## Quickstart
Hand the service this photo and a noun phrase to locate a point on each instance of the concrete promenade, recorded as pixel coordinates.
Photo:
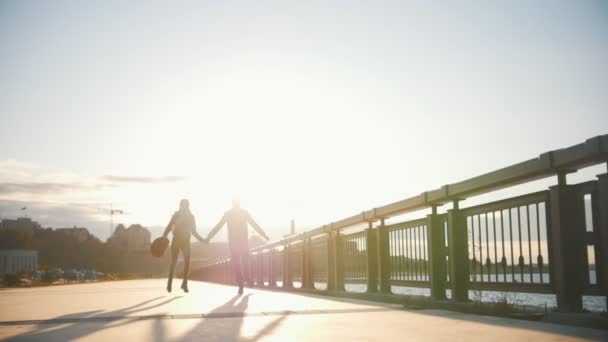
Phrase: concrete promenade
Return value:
(141, 310)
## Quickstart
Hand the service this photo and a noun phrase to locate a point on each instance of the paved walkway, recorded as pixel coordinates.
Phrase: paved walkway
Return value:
(141, 310)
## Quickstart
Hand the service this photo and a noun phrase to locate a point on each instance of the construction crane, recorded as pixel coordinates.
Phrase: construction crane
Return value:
(111, 211)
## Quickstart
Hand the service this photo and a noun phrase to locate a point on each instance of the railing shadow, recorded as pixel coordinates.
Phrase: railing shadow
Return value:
(545, 327)
(537, 326)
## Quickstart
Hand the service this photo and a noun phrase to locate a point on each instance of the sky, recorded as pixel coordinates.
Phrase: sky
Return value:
(310, 111)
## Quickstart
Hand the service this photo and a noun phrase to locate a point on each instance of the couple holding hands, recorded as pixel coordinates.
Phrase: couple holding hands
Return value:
(183, 225)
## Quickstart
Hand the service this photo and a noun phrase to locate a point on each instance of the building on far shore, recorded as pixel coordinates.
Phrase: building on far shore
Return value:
(18, 260)
(81, 234)
(136, 238)
(21, 224)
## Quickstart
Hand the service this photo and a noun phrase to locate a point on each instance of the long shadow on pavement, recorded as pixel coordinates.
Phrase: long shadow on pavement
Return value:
(103, 320)
(546, 327)
(228, 327)
(223, 323)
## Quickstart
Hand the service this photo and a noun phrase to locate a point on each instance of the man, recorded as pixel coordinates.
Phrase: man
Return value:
(238, 239)
(183, 226)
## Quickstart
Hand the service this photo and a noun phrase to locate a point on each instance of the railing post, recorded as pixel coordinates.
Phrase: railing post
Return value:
(262, 273)
(384, 259)
(436, 245)
(271, 281)
(567, 219)
(459, 254)
(335, 262)
(339, 261)
(304, 264)
(247, 269)
(256, 264)
(372, 258)
(261, 266)
(225, 278)
(307, 276)
(217, 275)
(252, 275)
(602, 204)
(331, 262)
(219, 272)
(287, 282)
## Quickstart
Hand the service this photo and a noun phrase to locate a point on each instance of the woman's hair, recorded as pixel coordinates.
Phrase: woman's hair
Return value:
(184, 205)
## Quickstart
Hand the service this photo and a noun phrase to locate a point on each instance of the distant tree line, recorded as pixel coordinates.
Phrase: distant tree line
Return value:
(65, 251)
(56, 249)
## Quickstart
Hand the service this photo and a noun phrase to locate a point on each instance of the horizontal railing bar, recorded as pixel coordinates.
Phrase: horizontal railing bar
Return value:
(586, 188)
(593, 290)
(533, 198)
(355, 281)
(406, 225)
(319, 244)
(354, 235)
(411, 283)
(511, 287)
(401, 207)
(319, 239)
(591, 152)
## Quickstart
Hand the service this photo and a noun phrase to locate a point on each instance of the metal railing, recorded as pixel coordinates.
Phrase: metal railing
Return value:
(354, 249)
(588, 196)
(540, 242)
(295, 258)
(508, 245)
(409, 253)
(319, 261)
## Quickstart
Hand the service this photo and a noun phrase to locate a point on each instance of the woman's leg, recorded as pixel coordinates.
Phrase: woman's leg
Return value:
(174, 254)
(186, 253)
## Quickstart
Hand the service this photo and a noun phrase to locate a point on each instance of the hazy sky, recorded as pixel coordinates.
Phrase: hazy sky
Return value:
(315, 111)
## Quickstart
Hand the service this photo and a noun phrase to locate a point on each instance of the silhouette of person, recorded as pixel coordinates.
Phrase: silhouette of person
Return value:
(183, 226)
(236, 219)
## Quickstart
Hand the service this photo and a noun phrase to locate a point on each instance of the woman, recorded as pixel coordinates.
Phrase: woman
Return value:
(183, 226)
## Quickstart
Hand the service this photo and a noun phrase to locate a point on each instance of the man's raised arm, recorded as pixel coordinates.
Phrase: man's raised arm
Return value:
(216, 228)
(256, 227)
